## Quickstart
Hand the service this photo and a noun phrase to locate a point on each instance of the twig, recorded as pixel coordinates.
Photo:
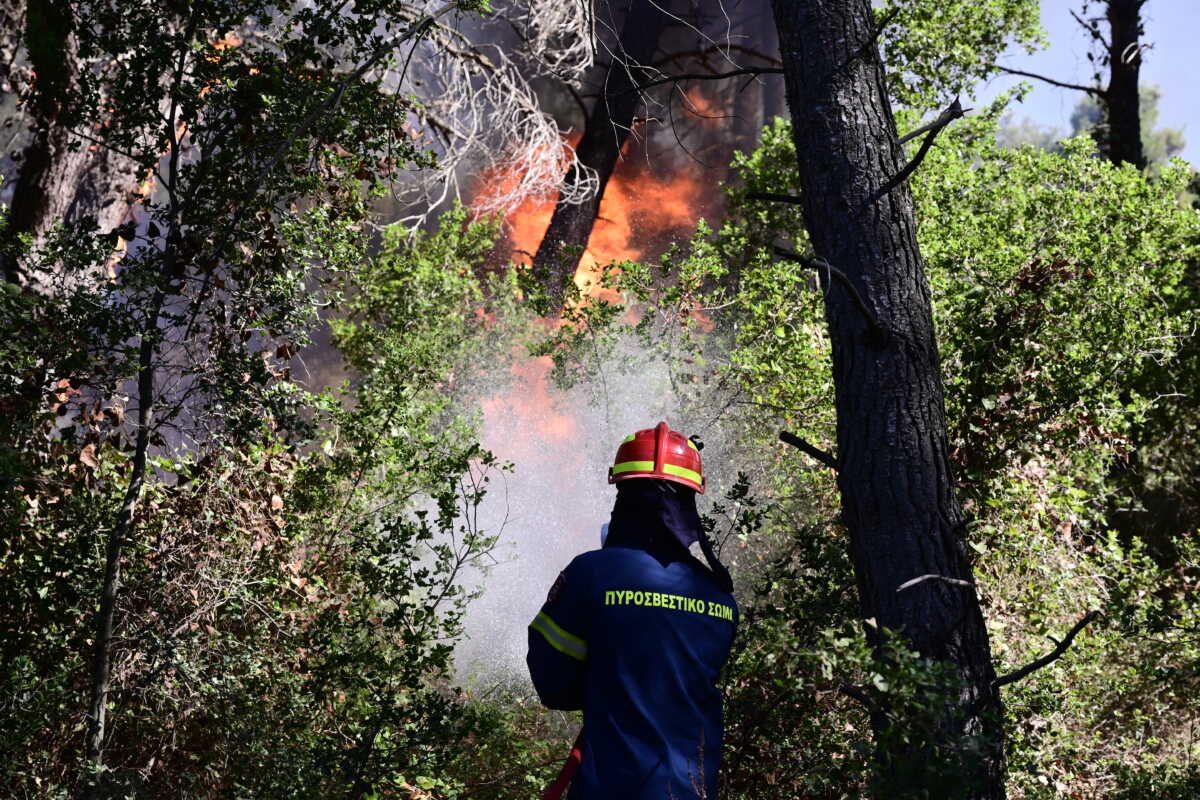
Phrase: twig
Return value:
(821, 264)
(828, 459)
(939, 123)
(1060, 648)
(952, 112)
(868, 45)
(1095, 90)
(702, 55)
(931, 576)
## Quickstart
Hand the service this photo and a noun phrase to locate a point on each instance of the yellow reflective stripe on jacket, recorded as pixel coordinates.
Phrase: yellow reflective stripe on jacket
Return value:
(559, 639)
(682, 472)
(633, 466)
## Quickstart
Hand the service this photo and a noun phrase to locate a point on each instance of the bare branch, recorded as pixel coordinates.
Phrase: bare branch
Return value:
(952, 112)
(477, 109)
(822, 264)
(1053, 655)
(1093, 31)
(706, 76)
(828, 459)
(1094, 90)
(931, 576)
(703, 55)
(557, 35)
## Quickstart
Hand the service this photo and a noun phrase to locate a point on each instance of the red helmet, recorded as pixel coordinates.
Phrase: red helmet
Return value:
(659, 452)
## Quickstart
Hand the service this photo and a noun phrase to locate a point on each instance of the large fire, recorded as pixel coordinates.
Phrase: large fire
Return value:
(644, 208)
(640, 211)
(559, 442)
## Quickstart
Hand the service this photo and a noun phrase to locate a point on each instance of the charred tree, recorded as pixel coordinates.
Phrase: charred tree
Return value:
(49, 163)
(62, 177)
(1119, 132)
(1122, 135)
(608, 125)
(898, 497)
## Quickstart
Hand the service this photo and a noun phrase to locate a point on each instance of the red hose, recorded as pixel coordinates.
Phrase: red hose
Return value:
(555, 790)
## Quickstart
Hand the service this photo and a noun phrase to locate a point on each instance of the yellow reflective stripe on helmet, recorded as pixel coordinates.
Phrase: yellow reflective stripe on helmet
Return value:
(692, 445)
(682, 472)
(629, 438)
(559, 639)
(633, 466)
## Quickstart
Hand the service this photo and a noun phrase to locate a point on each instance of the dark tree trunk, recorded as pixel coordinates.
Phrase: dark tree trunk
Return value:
(63, 177)
(605, 131)
(48, 165)
(106, 613)
(1122, 141)
(898, 499)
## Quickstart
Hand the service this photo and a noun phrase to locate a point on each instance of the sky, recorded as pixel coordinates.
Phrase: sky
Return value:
(1171, 27)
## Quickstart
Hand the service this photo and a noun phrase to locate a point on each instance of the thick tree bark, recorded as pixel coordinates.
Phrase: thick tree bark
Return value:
(608, 126)
(48, 165)
(12, 23)
(1122, 142)
(63, 177)
(898, 498)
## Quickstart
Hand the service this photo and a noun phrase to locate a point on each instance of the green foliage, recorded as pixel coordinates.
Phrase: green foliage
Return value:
(292, 587)
(291, 579)
(1050, 298)
(1160, 144)
(1062, 294)
(938, 50)
(289, 605)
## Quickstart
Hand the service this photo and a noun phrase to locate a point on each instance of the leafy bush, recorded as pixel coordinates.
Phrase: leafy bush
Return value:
(1059, 286)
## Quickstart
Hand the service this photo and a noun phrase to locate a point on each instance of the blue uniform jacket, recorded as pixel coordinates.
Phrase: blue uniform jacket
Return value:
(637, 644)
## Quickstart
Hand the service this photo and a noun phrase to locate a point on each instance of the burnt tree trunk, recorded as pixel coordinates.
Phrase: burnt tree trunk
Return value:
(898, 498)
(63, 177)
(607, 127)
(1122, 141)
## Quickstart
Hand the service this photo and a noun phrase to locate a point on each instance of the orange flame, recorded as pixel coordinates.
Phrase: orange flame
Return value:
(638, 210)
(529, 407)
(696, 104)
(641, 211)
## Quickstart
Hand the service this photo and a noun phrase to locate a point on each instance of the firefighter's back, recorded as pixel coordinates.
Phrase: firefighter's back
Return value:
(652, 714)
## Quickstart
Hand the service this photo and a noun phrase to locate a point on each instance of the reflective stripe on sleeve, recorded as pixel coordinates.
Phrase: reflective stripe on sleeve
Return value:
(559, 639)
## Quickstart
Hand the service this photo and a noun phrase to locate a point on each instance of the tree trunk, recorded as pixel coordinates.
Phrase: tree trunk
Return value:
(607, 127)
(106, 613)
(1123, 137)
(63, 177)
(898, 499)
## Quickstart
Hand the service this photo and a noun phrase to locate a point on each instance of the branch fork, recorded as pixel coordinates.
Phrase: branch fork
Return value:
(818, 263)
(931, 130)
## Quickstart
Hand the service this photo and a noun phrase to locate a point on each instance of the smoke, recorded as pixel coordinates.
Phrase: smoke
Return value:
(552, 504)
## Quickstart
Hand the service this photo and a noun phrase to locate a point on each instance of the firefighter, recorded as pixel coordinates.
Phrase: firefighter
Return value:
(636, 633)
